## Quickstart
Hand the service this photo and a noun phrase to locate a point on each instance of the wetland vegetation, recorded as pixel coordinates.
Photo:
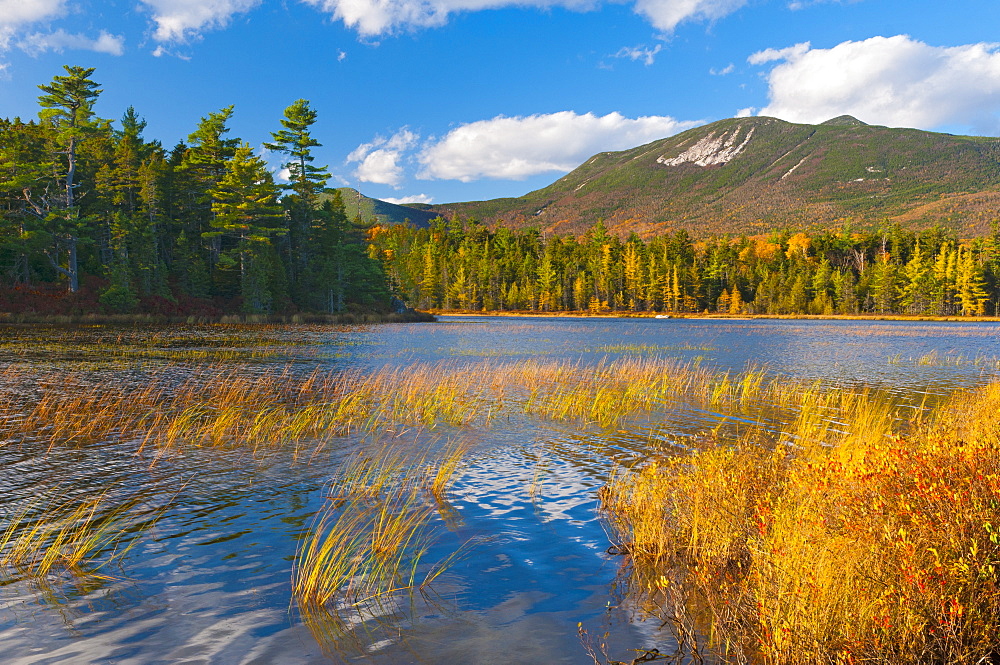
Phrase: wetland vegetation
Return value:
(410, 501)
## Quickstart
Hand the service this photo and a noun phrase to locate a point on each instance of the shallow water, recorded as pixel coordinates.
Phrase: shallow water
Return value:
(210, 582)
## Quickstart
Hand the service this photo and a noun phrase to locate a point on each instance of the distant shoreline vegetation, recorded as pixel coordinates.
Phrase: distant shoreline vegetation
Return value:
(714, 316)
(463, 266)
(100, 319)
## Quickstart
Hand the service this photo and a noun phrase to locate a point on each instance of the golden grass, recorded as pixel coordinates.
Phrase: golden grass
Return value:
(54, 533)
(232, 406)
(365, 551)
(844, 544)
(263, 409)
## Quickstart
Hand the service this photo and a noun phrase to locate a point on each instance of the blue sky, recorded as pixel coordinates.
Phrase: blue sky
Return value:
(453, 100)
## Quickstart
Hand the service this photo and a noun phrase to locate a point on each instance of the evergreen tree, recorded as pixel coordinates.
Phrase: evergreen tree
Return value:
(306, 183)
(67, 107)
(245, 204)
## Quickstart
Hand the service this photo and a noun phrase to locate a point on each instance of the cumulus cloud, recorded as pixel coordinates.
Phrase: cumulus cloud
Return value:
(376, 17)
(667, 14)
(514, 148)
(60, 40)
(725, 71)
(641, 52)
(896, 81)
(380, 161)
(179, 20)
(20, 12)
(15, 14)
(413, 198)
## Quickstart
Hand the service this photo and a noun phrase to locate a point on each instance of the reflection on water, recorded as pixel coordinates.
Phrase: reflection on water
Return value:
(210, 582)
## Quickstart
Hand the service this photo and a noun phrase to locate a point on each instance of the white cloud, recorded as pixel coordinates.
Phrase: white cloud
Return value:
(894, 81)
(376, 17)
(20, 12)
(341, 56)
(60, 40)
(772, 54)
(647, 55)
(413, 198)
(745, 113)
(15, 14)
(380, 160)
(179, 20)
(519, 147)
(667, 14)
(725, 71)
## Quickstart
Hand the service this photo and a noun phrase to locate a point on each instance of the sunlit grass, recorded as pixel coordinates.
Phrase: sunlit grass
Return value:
(54, 533)
(265, 409)
(364, 555)
(844, 544)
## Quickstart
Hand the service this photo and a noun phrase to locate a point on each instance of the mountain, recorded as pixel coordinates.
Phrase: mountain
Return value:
(386, 213)
(751, 175)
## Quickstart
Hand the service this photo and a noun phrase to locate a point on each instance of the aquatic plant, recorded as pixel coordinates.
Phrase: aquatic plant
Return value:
(56, 532)
(840, 544)
(364, 553)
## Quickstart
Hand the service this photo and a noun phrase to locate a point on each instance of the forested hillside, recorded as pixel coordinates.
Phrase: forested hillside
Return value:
(461, 265)
(91, 208)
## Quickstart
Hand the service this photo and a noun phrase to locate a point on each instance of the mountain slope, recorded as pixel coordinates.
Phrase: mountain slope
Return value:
(748, 175)
(386, 213)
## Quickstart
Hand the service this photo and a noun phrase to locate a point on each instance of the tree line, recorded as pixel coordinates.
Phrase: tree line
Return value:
(462, 265)
(91, 205)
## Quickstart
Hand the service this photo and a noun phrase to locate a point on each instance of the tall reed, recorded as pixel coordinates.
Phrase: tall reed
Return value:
(369, 540)
(841, 544)
(55, 532)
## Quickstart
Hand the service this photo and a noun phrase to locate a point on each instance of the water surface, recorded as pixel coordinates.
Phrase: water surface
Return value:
(210, 582)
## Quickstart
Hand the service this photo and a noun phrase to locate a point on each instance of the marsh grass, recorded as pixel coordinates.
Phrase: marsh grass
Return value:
(363, 558)
(839, 545)
(227, 406)
(55, 533)
(266, 409)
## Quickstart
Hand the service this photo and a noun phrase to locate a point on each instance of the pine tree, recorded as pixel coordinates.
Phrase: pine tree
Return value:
(736, 302)
(972, 294)
(306, 183)
(245, 204)
(68, 108)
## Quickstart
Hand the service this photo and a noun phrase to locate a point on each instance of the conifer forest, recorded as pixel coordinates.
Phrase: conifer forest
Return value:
(93, 208)
(96, 216)
(464, 266)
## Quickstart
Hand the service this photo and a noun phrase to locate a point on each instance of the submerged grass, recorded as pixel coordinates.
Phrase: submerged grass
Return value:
(844, 544)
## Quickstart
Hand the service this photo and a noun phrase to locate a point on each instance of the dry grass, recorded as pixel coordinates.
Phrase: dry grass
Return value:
(231, 406)
(365, 551)
(54, 533)
(847, 545)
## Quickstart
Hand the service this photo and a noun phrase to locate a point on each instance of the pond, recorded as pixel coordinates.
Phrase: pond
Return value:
(211, 580)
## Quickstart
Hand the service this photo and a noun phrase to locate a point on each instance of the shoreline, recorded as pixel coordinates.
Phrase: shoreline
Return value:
(95, 319)
(729, 317)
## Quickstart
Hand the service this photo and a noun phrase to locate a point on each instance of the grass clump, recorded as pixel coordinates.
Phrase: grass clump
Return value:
(368, 542)
(842, 545)
(51, 534)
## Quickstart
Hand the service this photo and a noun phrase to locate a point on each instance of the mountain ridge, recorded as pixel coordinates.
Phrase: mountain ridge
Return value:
(753, 175)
